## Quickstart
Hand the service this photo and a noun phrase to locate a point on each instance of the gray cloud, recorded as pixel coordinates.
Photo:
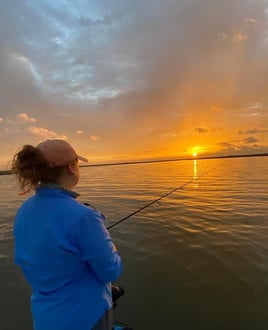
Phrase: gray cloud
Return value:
(226, 144)
(111, 69)
(250, 140)
(243, 147)
(140, 47)
(201, 130)
(253, 131)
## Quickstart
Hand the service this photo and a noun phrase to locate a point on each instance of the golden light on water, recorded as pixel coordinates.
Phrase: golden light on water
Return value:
(195, 169)
(195, 174)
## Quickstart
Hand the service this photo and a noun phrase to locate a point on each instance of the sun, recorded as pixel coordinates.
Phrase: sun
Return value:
(195, 150)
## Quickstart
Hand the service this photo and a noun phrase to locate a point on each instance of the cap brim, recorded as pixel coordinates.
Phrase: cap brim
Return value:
(83, 159)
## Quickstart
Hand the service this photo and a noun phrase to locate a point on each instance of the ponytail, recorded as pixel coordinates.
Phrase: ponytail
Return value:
(28, 165)
(31, 168)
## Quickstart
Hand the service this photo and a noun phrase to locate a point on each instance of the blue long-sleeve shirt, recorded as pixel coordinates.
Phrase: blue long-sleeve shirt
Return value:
(67, 256)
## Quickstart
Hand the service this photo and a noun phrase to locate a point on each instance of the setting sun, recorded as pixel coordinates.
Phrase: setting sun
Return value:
(195, 151)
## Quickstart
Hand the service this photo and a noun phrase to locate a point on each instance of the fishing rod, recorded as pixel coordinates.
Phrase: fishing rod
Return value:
(157, 200)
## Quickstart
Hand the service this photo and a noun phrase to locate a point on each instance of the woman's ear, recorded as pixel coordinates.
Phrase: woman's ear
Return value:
(72, 168)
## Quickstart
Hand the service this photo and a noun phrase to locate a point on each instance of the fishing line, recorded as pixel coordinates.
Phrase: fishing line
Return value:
(158, 199)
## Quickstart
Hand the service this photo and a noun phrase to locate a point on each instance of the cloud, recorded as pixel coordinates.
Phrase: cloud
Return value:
(94, 138)
(106, 20)
(168, 135)
(113, 67)
(255, 106)
(43, 133)
(27, 65)
(250, 140)
(253, 131)
(90, 50)
(251, 20)
(239, 37)
(1, 119)
(245, 146)
(24, 117)
(18, 86)
(201, 130)
(225, 144)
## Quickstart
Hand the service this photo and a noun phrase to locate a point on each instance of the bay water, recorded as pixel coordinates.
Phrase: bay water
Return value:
(195, 259)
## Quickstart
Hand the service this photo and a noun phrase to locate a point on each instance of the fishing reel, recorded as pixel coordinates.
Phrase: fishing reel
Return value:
(117, 292)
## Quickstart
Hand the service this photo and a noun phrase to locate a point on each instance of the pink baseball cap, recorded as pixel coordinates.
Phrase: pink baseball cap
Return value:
(58, 152)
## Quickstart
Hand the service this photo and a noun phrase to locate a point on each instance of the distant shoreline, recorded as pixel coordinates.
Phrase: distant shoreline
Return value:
(175, 160)
(7, 172)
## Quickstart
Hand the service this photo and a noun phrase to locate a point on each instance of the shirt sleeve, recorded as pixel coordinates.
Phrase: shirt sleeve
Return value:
(97, 249)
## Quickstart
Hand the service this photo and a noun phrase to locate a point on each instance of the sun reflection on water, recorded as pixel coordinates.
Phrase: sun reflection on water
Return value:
(195, 174)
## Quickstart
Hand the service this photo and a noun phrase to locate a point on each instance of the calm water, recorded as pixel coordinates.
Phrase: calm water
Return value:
(197, 259)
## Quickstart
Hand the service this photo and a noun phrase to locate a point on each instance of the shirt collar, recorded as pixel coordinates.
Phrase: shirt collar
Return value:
(72, 193)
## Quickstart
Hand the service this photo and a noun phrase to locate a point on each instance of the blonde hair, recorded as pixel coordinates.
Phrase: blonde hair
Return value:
(31, 168)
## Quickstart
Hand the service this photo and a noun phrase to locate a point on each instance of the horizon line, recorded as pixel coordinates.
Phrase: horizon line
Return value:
(175, 159)
(7, 172)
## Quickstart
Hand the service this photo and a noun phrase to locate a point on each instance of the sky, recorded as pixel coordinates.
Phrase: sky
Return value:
(125, 80)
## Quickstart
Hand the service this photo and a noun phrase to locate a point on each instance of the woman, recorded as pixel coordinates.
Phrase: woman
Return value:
(62, 246)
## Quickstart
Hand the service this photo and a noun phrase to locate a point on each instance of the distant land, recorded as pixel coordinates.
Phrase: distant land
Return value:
(6, 172)
(175, 159)
(3, 172)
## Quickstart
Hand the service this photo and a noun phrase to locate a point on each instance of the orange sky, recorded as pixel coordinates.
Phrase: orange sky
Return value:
(123, 80)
